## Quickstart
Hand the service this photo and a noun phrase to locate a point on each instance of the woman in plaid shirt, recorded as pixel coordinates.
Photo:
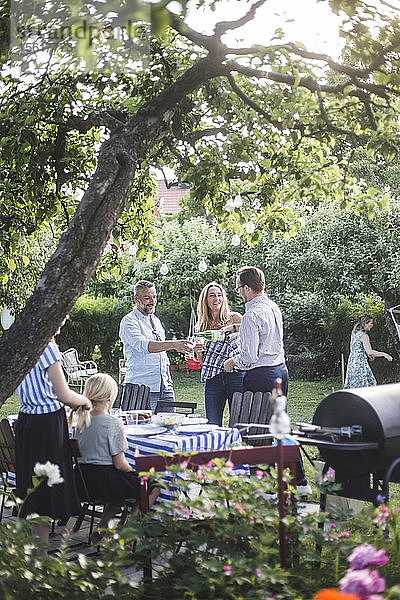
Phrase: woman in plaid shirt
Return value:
(213, 313)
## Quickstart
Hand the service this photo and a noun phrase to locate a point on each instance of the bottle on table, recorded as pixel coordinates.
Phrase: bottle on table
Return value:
(279, 425)
(213, 335)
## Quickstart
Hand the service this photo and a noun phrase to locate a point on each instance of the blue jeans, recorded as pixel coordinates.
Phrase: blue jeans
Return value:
(218, 390)
(166, 394)
(262, 379)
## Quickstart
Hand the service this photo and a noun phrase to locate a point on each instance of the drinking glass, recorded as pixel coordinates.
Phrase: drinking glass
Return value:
(132, 417)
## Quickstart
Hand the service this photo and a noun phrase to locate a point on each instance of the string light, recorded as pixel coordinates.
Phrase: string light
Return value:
(133, 249)
(250, 227)
(229, 206)
(164, 269)
(235, 241)
(238, 201)
(202, 266)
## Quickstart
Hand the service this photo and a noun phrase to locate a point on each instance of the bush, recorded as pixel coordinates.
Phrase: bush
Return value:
(220, 544)
(93, 329)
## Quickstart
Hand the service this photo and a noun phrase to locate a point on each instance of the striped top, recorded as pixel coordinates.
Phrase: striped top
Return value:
(36, 391)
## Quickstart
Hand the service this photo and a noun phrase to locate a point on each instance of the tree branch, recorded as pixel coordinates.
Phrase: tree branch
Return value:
(250, 102)
(224, 26)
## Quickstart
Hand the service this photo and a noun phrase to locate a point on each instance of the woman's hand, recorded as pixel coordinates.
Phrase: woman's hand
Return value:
(229, 365)
(388, 357)
(232, 328)
(86, 405)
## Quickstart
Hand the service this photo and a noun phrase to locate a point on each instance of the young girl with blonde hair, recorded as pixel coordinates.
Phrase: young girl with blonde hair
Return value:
(107, 473)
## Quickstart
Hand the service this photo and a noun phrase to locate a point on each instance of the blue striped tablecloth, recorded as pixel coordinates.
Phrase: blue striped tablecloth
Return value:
(221, 438)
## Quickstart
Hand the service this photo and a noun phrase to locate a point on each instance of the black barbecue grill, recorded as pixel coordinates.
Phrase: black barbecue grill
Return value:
(357, 432)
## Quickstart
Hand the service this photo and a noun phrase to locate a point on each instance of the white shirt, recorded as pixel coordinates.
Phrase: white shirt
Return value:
(142, 366)
(261, 335)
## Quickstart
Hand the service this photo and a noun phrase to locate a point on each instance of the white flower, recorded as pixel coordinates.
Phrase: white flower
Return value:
(52, 472)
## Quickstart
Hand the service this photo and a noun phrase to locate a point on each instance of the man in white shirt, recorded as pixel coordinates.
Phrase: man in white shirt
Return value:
(261, 344)
(261, 335)
(145, 346)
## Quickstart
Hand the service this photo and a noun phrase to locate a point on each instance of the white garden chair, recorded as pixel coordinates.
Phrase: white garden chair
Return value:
(77, 371)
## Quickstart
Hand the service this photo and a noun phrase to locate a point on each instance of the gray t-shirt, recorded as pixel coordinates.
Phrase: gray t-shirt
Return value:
(102, 440)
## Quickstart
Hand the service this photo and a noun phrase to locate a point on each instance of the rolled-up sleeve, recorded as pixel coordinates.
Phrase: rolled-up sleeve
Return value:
(131, 334)
(249, 343)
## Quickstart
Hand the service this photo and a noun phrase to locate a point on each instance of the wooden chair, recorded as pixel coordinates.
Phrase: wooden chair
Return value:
(132, 396)
(284, 456)
(251, 408)
(91, 507)
(185, 408)
(77, 371)
(7, 461)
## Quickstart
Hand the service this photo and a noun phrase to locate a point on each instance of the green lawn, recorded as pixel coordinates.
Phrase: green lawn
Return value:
(304, 396)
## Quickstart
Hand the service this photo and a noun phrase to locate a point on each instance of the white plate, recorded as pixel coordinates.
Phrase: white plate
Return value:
(144, 430)
(194, 420)
(197, 428)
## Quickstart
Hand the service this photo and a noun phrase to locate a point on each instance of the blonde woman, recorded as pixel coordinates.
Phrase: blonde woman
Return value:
(213, 313)
(359, 373)
(107, 473)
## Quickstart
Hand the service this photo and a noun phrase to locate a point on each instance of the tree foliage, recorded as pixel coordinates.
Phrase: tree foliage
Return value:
(99, 113)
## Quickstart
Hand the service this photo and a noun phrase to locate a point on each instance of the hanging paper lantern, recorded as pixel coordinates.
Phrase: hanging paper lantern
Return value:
(235, 241)
(202, 266)
(229, 206)
(250, 227)
(133, 249)
(238, 201)
(164, 269)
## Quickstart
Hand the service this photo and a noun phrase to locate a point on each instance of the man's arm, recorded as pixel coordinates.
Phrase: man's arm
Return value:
(249, 341)
(178, 345)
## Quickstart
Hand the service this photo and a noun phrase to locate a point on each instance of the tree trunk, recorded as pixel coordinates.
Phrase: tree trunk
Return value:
(71, 267)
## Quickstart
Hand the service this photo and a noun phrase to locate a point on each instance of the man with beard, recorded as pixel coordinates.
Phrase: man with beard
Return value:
(145, 346)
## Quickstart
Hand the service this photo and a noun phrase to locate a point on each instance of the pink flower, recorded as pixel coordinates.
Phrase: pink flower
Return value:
(144, 479)
(363, 582)
(229, 464)
(345, 534)
(366, 555)
(333, 526)
(382, 515)
(227, 570)
(210, 464)
(259, 474)
(184, 464)
(329, 475)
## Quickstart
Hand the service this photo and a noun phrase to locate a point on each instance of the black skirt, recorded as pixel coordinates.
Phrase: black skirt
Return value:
(108, 484)
(38, 439)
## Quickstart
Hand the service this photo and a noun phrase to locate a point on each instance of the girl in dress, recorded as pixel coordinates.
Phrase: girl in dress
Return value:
(359, 373)
(107, 473)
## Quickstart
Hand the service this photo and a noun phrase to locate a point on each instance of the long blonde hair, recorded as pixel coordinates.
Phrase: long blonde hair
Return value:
(204, 319)
(99, 389)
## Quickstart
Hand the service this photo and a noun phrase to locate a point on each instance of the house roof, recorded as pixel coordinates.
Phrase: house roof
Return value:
(167, 199)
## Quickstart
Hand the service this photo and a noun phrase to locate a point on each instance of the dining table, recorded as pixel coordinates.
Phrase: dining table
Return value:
(181, 440)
